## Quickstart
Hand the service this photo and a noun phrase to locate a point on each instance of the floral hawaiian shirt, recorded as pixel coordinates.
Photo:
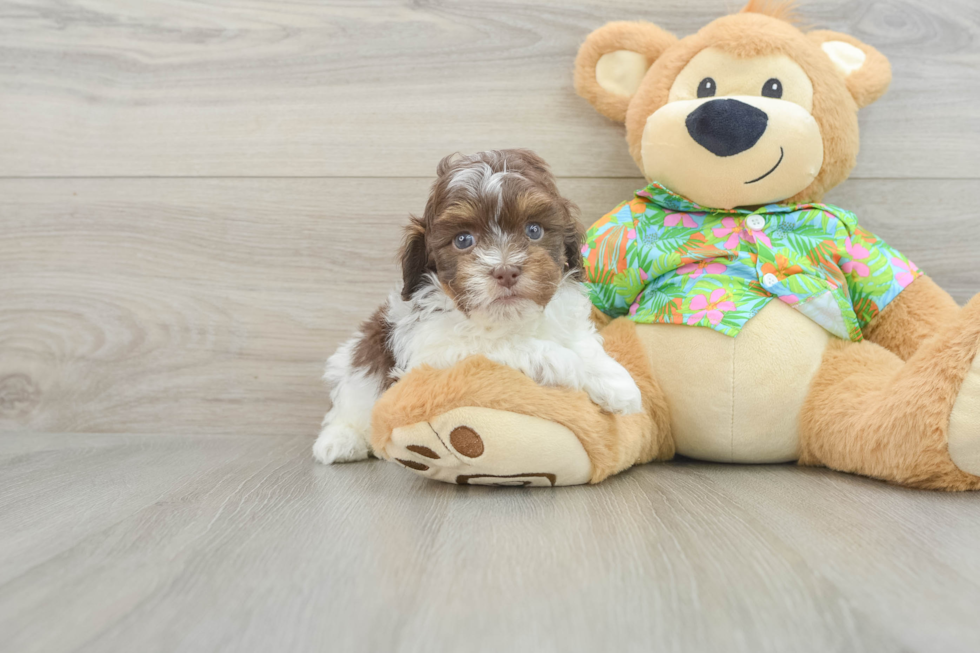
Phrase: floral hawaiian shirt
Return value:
(661, 258)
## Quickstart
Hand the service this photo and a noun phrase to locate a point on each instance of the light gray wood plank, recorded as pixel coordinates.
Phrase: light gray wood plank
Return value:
(385, 88)
(890, 530)
(209, 306)
(244, 544)
(58, 507)
(187, 304)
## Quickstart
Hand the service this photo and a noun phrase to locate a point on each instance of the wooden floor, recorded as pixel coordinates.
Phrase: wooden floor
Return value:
(239, 543)
(200, 199)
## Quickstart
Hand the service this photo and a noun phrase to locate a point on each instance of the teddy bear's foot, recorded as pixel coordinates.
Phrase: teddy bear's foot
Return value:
(964, 423)
(483, 446)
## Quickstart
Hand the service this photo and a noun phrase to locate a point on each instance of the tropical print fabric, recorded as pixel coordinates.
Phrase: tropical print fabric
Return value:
(660, 258)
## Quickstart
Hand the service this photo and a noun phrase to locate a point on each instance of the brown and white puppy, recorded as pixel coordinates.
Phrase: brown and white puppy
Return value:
(493, 268)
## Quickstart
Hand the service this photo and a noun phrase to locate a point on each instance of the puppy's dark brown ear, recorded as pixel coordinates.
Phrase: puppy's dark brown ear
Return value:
(415, 258)
(574, 236)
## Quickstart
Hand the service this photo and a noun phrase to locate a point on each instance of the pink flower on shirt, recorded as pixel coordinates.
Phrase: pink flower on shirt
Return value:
(907, 277)
(735, 232)
(698, 268)
(856, 252)
(728, 228)
(860, 269)
(759, 237)
(674, 219)
(714, 308)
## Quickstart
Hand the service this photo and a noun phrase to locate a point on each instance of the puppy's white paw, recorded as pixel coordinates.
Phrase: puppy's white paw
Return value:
(340, 443)
(614, 389)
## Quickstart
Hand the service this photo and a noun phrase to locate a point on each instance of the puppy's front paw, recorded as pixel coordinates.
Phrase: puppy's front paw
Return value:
(340, 443)
(615, 390)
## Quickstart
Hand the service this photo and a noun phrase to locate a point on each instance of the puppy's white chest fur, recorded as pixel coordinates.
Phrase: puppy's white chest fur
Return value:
(429, 330)
(556, 345)
(496, 231)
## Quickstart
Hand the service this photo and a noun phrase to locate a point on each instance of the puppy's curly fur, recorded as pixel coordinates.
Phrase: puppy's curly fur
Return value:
(492, 267)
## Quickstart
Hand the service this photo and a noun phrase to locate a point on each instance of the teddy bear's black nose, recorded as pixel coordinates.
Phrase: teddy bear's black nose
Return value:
(727, 127)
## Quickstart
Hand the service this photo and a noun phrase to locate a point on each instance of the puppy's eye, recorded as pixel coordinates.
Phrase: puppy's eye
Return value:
(534, 231)
(773, 88)
(707, 88)
(463, 241)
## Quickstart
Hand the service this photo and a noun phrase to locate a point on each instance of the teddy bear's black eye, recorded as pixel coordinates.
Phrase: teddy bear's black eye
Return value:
(773, 88)
(707, 87)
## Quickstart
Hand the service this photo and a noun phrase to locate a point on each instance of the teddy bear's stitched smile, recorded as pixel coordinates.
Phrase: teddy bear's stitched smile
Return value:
(782, 153)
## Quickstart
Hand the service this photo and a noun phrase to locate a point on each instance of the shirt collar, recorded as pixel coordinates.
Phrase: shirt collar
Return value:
(659, 195)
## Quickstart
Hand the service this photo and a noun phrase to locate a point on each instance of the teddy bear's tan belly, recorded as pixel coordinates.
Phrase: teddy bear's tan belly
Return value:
(737, 399)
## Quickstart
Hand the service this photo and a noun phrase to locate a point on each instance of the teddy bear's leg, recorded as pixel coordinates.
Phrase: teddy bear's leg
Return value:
(918, 313)
(915, 423)
(483, 423)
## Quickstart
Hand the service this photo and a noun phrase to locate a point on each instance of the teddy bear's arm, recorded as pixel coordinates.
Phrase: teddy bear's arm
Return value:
(512, 417)
(914, 317)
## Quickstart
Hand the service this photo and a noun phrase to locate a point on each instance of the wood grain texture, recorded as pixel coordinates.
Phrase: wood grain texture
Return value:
(191, 305)
(385, 88)
(207, 305)
(210, 305)
(149, 543)
(200, 200)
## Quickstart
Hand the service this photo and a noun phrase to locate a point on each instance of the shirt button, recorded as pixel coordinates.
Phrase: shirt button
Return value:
(756, 222)
(769, 280)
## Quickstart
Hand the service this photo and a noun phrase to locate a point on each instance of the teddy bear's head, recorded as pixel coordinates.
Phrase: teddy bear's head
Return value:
(748, 111)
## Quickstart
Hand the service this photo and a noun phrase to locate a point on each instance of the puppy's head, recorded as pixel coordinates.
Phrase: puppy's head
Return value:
(496, 235)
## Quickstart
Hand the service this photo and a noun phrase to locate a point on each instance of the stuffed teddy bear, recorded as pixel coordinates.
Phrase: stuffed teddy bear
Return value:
(760, 325)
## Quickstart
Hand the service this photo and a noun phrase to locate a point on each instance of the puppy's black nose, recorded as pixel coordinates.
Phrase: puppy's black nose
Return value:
(506, 275)
(727, 127)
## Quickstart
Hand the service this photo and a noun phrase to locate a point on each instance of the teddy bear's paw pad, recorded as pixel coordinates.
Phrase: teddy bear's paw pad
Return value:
(482, 446)
(964, 423)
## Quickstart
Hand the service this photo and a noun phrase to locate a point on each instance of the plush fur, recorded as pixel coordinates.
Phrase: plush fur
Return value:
(613, 442)
(478, 282)
(914, 317)
(888, 407)
(761, 29)
(870, 413)
(872, 80)
(751, 35)
(784, 11)
(645, 38)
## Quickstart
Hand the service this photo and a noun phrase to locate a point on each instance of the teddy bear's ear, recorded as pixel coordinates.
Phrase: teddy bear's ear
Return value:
(866, 71)
(612, 62)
